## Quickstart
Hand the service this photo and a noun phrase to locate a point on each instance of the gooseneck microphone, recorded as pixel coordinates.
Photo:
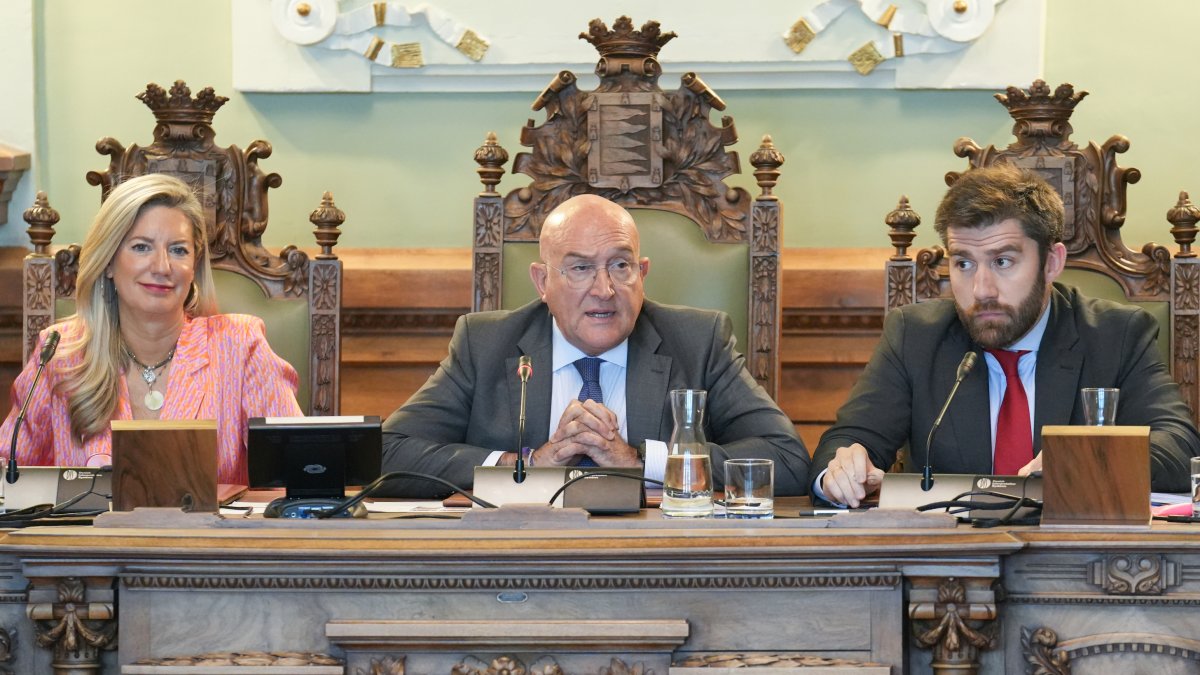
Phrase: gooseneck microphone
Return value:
(964, 367)
(48, 350)
(524, 370)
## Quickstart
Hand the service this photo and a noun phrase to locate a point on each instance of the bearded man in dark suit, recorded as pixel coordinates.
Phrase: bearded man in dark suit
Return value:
(1039, 342)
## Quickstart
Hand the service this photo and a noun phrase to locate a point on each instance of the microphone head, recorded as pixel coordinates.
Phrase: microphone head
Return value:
(967, 363)
(50, 347)
(525, 368)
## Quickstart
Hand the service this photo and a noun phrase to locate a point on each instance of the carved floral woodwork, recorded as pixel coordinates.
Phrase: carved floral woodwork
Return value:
(545, 665)
(955, 618)
(6, 650)
(773, 661)
(232, 189)
(75, 626)
(639, 146)
(1094, 191)
(1045, 654)
(1135, 574)
(385, 666)
(246, 660)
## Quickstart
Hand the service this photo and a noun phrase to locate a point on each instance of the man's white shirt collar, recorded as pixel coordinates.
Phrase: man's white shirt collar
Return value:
(565, 354)
(1032, 340)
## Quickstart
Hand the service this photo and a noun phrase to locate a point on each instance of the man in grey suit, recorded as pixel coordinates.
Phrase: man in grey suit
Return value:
(1038, 341)
(604, 360)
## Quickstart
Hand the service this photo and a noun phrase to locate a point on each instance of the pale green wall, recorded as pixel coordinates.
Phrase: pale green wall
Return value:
(400, 164)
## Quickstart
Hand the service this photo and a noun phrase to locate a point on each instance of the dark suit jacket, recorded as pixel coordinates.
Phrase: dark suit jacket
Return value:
(469, 407)
(1087, 343)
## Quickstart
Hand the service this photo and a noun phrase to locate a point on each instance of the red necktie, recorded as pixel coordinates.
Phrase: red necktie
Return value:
(1014, 439)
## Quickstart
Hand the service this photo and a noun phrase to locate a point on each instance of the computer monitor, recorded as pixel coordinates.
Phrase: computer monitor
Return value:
(314, 457)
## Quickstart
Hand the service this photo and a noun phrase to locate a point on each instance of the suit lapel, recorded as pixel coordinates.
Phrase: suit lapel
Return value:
(969, 415)
(1060, 363)
(646, 383)
(187, 390)
(537, 345)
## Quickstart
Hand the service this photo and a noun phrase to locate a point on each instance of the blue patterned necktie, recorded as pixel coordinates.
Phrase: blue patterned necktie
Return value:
(589, 370)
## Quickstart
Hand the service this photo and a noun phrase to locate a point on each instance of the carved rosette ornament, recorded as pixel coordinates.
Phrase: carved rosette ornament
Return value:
(73, 627)
(955, 618)
(636, 145)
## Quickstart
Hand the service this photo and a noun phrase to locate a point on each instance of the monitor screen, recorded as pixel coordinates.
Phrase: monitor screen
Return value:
(314, 456)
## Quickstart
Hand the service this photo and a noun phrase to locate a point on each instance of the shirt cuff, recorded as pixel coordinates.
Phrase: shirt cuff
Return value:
(493, 459)
(820, 494)
(655, 461)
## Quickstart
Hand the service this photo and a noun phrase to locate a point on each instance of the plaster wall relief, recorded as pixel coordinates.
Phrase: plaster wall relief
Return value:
(460, 45)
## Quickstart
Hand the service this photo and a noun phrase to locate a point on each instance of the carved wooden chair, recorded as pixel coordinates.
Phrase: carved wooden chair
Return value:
(657, 154)
(1093, 188)
(298, 297)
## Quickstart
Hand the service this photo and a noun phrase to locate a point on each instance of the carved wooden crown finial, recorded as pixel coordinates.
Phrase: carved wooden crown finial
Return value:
(767, 160)
(327, 217)
(180, 116)
(1040, 113)
(41, 218)
(902, 220)
(490, 157)
(1183, 217)
(623, 48)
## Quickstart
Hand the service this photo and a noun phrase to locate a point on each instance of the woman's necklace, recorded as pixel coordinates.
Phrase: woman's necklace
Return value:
(153, 399)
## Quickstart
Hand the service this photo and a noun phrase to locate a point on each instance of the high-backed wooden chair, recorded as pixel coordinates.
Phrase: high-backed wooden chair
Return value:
(298, 297)
(1093, 188)
(655, 153)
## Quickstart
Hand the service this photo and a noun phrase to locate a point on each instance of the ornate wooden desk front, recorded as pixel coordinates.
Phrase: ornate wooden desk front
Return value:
(606, 596)
(432, 596)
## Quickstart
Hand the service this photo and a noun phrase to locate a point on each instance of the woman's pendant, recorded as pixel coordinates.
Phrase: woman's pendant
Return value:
(153, 400)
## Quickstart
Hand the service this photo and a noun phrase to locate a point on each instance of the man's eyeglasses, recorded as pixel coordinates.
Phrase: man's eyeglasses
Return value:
(583, 275)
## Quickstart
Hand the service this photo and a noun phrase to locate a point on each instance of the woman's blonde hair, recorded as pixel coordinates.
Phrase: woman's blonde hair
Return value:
(92, 383)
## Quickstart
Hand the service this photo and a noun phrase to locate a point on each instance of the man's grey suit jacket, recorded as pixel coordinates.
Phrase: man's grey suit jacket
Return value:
(469, 407)
(1088, 343)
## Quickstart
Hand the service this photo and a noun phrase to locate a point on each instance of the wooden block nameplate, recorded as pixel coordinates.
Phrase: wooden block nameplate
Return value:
(170, 463)
(1096, 476)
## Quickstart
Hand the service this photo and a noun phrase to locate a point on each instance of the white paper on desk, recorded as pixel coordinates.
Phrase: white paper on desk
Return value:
(413, 507)
(1161, 498)
(243, 508)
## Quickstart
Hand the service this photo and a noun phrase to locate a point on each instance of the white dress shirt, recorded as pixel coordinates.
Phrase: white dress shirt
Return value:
(566, 383)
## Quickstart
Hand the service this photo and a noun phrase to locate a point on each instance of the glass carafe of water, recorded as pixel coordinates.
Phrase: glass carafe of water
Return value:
(687, 485)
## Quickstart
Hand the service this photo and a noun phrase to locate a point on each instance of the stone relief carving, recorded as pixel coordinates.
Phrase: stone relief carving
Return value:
(73, 627)
(1135, 574)
(385, 666)
(247, 660)
(882, 580)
